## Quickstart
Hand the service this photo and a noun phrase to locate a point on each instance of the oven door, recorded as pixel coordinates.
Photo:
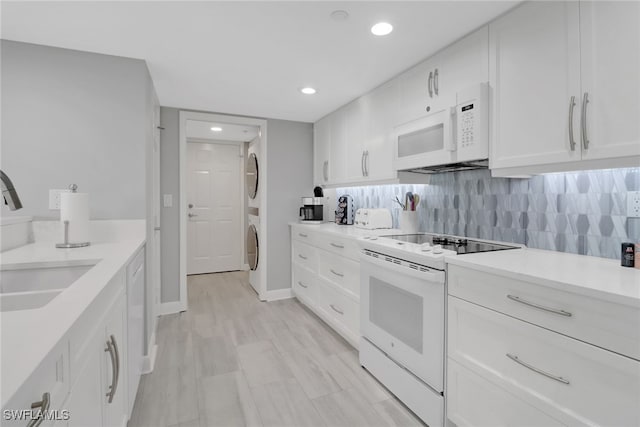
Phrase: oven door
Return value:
(427, 141)
(402, 313)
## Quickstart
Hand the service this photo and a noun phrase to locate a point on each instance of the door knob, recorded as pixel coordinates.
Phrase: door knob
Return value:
(190, 205)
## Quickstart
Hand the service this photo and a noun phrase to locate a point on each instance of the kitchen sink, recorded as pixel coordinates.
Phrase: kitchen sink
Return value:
(26, 300)
(31, 277)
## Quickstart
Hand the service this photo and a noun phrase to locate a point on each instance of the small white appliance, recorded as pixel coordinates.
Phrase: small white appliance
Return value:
(372, 219)
(452, 138)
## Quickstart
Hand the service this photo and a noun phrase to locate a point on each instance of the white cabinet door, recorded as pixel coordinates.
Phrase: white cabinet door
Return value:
(338, 147)
(610, 54)
(463, 64)
(417, 95)
(115, 367)
(354, 145)
(380, 110)
(85, 401)
(534, 68)
(321, 150)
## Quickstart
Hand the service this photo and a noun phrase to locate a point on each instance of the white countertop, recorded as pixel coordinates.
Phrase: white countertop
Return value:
(597, 277)
(27, 336)
(348, 231)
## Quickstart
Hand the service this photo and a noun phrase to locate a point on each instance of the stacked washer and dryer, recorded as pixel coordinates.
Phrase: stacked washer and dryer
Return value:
(253, 184)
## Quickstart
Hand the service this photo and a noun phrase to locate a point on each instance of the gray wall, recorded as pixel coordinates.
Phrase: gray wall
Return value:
(74, 117)
(170, 217)
(578, 212)
(289, 158)
(289, 177)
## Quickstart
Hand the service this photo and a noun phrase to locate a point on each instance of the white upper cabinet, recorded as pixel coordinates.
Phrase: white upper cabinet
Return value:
(565, 87)
(353, 148)
(338, 146)
(417, 92)
(321, 150)
(610, 49)
(380, 111)
(535, 76)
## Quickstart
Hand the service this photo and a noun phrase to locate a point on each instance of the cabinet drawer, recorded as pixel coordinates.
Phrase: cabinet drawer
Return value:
(304, 255)
(52, 377)
(304, 284)
(572, 381)
(605, 324)
(340, 271)
(344, 247)
(343, 310)
(304, 235)
(475, 401)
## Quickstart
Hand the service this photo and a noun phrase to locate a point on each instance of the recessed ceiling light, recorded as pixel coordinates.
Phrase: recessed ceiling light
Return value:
(382, 29)
(308, 90)
(339, 15)
(216, 129)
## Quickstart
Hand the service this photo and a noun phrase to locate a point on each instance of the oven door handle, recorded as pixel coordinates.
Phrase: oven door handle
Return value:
(431, 275)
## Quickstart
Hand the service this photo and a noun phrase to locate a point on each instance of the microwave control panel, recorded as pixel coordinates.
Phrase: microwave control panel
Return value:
(472, 123)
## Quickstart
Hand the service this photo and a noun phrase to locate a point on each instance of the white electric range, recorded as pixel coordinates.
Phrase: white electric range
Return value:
(402, 314)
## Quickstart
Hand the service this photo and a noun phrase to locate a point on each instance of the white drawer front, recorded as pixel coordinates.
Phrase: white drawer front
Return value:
(344, 311)
(304, 255)
(340, 271)
(304, 284)
(304, 235)
(574, 382)
(474, 401)
(605, 324)
(344, 247)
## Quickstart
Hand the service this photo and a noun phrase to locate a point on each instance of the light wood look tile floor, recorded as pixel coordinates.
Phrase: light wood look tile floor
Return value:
(232, 360)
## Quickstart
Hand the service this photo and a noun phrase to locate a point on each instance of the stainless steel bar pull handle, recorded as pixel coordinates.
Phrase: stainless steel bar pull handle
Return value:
(336, 273)
(112, 349)
(539, 307)
(585, 137)
(435, 81)
(302, 235)
(335, 245)
(362, 164)
(337, 310)
(430, 84)
(572, 141)
(44, 407)
(537, 370)
(302, 256)
(366, 163)
(302, 284)
(325, 170)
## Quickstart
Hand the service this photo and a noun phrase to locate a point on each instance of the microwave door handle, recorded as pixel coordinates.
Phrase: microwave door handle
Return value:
(453, 122)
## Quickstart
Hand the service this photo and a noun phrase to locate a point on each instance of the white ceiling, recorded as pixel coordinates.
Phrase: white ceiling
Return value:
(252, 58)
(230, 132)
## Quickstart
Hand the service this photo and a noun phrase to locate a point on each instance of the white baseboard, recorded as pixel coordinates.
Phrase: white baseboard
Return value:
(170, 308)
(245, 267)
(149, 361)
(278, 294)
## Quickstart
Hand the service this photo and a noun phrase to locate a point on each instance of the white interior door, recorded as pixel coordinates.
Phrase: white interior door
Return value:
(214, 196)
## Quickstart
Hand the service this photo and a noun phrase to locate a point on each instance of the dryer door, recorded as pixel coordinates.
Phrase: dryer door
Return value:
(253, 248)
(252, 175)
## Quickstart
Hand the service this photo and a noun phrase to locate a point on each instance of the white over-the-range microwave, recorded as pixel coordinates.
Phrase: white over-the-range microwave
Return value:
(450, 138)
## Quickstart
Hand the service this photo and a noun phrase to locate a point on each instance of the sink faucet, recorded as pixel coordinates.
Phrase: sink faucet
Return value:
(9, 193)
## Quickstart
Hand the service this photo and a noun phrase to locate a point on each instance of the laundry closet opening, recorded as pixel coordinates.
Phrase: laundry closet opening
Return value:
(217, 196)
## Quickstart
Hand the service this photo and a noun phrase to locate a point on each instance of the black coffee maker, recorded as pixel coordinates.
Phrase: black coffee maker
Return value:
(312, 208)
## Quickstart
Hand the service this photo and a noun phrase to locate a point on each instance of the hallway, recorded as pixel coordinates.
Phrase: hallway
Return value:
(232, 361)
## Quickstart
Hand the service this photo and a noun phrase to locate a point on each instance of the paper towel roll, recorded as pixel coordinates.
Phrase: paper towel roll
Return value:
(74, 207)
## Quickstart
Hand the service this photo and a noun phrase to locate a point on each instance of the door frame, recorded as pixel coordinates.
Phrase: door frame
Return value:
(184, 116)
(242, 160)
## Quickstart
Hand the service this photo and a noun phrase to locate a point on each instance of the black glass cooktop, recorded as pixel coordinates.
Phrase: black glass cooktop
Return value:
(461, 245)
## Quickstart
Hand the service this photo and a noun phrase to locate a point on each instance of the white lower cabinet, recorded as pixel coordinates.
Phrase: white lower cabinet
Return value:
(506, 371)
(85, 401)
(114, 362)
(326, 278)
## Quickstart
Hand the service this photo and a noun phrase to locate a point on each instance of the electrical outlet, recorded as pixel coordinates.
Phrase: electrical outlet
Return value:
(54, 199)
(633, 204)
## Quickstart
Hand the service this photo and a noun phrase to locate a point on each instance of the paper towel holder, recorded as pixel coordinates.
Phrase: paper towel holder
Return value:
(66, 245)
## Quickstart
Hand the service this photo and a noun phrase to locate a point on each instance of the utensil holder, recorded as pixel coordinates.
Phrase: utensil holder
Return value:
(409, 221)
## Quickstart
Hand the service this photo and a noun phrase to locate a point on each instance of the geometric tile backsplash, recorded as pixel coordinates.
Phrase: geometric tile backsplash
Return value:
(580, 212)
